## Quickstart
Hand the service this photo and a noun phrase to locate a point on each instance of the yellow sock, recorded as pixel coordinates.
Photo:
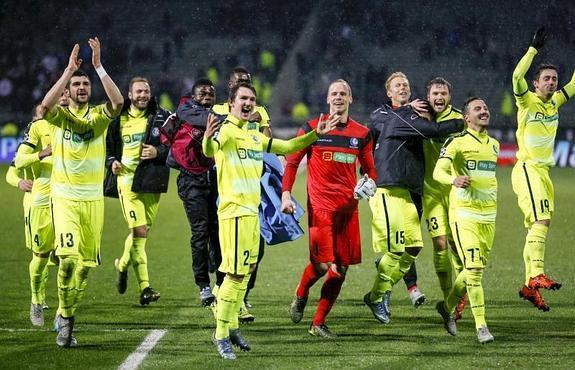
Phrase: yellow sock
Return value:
(66, 287)
(81, 282)
(535, 247)
(443, 270)
(387, 265)
(404, 264)
(459, 289)
(125, 259)
(36, 270)
(234, 324)
(475, 294)
(227, 299)
(140, 262)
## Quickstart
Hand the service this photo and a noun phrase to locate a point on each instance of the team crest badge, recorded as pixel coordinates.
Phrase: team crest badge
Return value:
(155, 132)
(255, 139)
(354, 142)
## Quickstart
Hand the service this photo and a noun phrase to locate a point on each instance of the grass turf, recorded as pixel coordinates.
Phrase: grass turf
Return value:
(109, 326)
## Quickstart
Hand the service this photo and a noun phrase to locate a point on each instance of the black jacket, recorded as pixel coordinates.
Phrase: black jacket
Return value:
(398, 145)
(151, 175)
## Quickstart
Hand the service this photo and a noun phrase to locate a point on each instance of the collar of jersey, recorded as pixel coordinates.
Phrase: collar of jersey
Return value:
(476, 134)
(79, 112)
(235, 120)
(135, 112)
(446, 112)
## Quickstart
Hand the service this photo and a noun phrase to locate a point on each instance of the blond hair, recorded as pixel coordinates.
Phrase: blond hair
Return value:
(392, 76)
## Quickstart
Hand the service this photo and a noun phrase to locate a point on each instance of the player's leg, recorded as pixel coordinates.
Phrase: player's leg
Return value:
(388, 237)
(42, 238)
(149, 204)
(320, 255)
(534, 192)
(194, 192)
(249, 237)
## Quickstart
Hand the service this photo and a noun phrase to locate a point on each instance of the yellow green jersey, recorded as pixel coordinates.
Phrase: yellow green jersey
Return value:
(224, 109)
(537, 120)
(431, 150)
(36, 138)
(239, 162)
(133, 125)
(472, 154)
(78, 152)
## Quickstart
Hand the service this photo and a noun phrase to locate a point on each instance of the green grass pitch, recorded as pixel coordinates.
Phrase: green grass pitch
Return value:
(110, 327)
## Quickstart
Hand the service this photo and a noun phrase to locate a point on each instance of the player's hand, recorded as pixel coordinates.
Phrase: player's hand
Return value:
(25, 185)
(325, 126)
(47, 151)
(255, 117)
(421, 107)
(462, 181)
(95, 46)
(116, 167)
(213, 125)
(74, 62)
(149, 152)
(365, 188)
(539, 38)
(288, 205)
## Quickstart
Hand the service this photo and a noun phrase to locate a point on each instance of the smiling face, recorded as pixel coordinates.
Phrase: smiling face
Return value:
(80, 89)
(140, 94)
(339, 98)
(546, 84)
(477, 115)
(439, 97)
(204, 95)
(243, 103)
(399, 91)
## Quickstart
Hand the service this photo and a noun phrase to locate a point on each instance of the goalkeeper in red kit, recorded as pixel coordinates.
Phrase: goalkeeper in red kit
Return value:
(333, 193)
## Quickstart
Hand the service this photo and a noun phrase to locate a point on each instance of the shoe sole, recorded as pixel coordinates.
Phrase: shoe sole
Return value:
(246, 320)
(419, 301)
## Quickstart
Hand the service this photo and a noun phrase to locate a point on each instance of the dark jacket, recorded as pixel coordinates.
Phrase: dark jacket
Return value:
(398, 149)
(151, 175)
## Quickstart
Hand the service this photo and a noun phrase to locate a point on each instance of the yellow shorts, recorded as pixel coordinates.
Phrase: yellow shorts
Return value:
(239, 242)
(473, 241)
(436, 213)
(41, 229)
(534, 191)
(395, 223)
(78, 229)
(26, 202)
(139, 208)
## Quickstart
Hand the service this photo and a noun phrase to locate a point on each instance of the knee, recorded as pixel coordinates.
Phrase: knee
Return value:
(440, 243)
(342, 270)
(253, 267)
(321, 268)
(544, 222)
(140, 231)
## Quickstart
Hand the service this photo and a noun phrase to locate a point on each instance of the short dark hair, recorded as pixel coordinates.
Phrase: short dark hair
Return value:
(137, 79)
(77, 73)
(541, 67)
(234, 90)
(239, 69)
(468, 101)
(201, 82)
(438, 81)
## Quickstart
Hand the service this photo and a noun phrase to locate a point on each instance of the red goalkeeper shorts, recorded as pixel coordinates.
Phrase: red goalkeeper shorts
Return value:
(334, 237)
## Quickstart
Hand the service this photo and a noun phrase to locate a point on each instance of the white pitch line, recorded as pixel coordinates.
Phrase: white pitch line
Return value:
(137, 357)
(81, 329)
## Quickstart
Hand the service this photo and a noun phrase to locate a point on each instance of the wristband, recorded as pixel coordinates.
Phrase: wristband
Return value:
(101, 72)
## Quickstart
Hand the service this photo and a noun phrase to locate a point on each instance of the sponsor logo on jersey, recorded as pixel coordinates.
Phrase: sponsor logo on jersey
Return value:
(77, 137)
(339, 157)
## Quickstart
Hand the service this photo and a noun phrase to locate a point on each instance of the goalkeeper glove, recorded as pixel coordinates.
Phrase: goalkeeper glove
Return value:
(365, 188)
(539, 38)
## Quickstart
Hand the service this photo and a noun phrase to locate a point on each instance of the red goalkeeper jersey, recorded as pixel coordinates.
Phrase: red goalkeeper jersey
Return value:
(332, 166)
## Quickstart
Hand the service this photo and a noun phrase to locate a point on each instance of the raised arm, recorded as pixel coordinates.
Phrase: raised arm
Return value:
(212, 141)
(115, 99)
(53, 95)
(520, 86)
